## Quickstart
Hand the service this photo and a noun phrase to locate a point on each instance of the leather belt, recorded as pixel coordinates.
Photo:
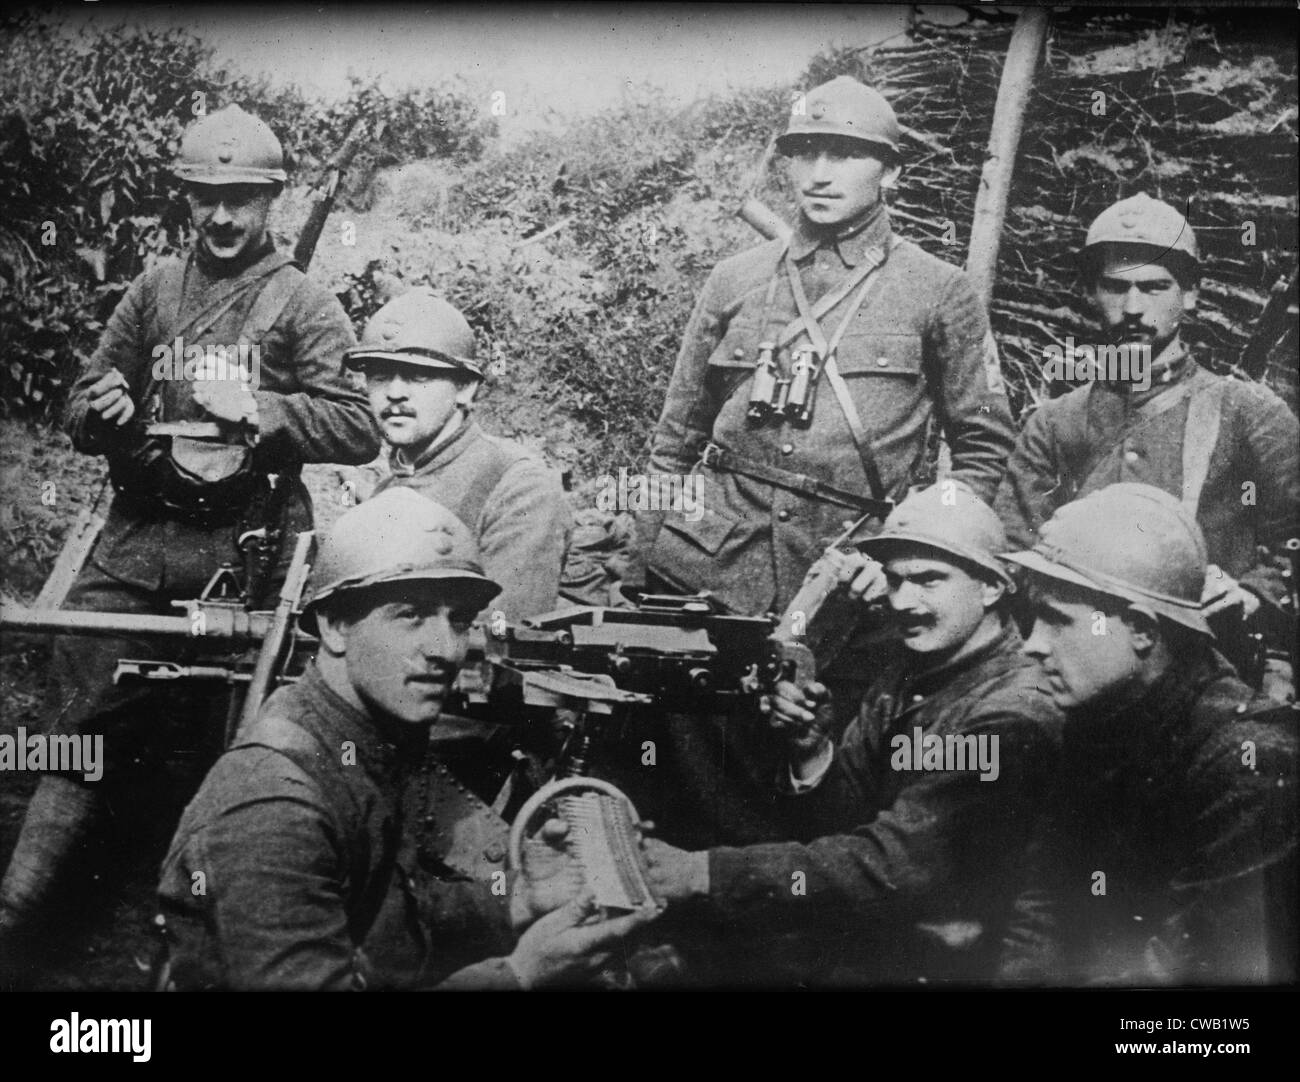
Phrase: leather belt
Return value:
(716, 457)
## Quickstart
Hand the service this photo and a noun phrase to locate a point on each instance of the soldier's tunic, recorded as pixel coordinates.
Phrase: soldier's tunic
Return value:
(310, 876)
(919, 348)
(1091, 437)
(148, 556)
(1186, 801)
(513, 503)
(901, 873)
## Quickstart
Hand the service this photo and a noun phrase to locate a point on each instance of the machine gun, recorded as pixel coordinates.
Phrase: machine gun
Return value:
(251, 652)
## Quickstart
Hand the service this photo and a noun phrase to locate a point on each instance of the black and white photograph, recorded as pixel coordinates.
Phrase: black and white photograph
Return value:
(635, 497)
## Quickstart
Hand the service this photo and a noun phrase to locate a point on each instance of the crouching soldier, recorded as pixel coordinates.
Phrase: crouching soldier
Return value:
(418, 356)
(293, 867)
(1169, 853)
(912, 829)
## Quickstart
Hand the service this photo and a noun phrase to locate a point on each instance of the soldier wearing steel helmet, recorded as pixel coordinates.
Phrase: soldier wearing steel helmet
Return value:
(1168, 855)
(908, 866)
(1228, 448)
(812, 370)
(311, 876)
(422, 374)
(182, 503)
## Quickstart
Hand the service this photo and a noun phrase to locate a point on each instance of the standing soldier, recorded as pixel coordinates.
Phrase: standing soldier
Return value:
(417, 353)
(1229, 449)
(1169, 853)
(236, 337)
(805, 394)
(811, 371)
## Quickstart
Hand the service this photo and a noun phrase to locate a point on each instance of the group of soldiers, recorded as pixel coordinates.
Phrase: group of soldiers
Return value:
(1049, 607)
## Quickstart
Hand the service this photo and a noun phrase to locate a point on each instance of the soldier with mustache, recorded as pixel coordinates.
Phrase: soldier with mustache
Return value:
(812, 375)
(297, 866)
(184, 505)
(1228, 448)
(422, 375)
(813, 371)
(895, 869)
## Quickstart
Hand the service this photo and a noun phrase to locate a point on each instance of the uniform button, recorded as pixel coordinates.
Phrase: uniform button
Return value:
(883, 362)
(1131, 456)
(783, 516)
(917, 698)
(787, 448)
(739, 353)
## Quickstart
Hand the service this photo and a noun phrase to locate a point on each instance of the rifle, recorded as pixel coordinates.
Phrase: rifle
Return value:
(325, 193)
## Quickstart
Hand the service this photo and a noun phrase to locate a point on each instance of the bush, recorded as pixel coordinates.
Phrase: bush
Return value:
(87, 199)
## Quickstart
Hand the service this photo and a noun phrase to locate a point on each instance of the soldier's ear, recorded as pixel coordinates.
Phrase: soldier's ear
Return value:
(330, 631)
(889, 179)
(1189, 299)
(1143, 627)
(467, 392)
(992, 592)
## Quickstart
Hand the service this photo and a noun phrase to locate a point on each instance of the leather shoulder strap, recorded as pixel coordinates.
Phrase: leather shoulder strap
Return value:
(281, 286)
(1204, 415)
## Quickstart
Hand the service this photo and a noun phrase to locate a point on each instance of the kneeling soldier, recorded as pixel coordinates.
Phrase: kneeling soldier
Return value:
(913, 827)
(1169, 855)
(293, 868)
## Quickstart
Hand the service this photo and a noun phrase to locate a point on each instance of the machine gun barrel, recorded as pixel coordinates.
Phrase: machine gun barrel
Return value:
(206, 621)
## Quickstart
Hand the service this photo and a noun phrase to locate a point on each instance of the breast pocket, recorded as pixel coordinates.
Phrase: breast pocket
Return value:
(884, 375)
(738, 348)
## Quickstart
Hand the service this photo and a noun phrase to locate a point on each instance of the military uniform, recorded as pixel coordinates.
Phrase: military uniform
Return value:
(309, 872)
(149, 555)
(1186, 803)
(902, 874)
(512, 502)
(918, 349)
(183, 501)
(1094, 436)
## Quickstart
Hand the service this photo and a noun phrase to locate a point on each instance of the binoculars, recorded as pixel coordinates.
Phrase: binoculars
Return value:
(773, 395)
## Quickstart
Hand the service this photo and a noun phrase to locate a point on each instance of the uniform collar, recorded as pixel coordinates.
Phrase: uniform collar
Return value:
(441, 451)
(1153, 719)
(1173, 367)
(850, 242)
(383, 751)
(927, 681)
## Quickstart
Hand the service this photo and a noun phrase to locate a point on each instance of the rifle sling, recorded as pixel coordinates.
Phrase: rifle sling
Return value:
(717, 457)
